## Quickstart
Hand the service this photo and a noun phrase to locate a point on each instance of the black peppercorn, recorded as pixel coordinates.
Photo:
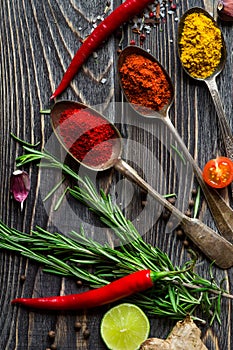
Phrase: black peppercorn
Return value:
(191, 203)
(51, 334)
(79, 283)
(194, 192)
(86, 333)
(22, 278)
(172, 200)
(179, 233)
(77, 326)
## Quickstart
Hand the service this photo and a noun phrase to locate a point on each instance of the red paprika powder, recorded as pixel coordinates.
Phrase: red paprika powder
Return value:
(87, 136)
(144, 82)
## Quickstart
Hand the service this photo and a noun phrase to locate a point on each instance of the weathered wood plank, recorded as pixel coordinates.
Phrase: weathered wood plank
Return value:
(37, 41)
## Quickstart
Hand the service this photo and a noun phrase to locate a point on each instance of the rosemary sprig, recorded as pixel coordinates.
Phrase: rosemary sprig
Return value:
(62, 255)
(173, 296)
(22, 142)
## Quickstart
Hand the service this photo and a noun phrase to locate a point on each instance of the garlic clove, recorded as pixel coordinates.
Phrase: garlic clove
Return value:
(20, 185)
(225, 10)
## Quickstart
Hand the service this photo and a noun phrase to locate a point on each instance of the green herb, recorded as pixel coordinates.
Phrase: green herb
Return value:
(173, 297)
(45, 111)
(179, 154)
(53, 190)
(58, 204)
(23, 142)
(197, 203)
(169, 195)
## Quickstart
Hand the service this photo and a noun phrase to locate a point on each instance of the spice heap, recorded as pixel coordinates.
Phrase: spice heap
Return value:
(200, 45)
(88, 137)
(145, 83)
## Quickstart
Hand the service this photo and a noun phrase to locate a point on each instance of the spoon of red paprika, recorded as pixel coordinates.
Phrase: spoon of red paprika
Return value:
(84, 133)
(144, 100)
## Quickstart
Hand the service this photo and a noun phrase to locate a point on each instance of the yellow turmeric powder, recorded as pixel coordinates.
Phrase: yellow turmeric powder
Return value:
(200, 45)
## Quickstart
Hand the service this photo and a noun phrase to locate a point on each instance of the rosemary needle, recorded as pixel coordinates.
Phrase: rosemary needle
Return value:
(23, 142)
(179, 154)
(197, 202)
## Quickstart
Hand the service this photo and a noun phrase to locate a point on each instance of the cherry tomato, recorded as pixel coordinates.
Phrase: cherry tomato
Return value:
(218, 173)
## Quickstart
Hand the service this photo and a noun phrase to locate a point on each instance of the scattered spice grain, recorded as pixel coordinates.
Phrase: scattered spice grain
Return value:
(77, 326)
(86, 333)
(22, 278)
(180, 233)
(191, 203)
(51, 334)
(200, 45)
(145, 83)
(186, 243)
(79, 283)
(194, 192)
(53, 346)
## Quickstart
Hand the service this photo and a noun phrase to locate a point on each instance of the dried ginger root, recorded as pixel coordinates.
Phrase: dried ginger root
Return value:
(184, 336)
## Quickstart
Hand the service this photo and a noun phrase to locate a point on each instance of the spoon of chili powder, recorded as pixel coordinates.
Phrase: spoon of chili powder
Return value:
(88, 137)
(149, 90)
(83, 130)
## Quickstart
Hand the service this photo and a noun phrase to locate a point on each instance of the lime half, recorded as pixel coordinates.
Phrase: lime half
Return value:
(124, 327)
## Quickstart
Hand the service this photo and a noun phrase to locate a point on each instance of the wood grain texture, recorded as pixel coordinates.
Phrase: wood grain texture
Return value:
(37, 41)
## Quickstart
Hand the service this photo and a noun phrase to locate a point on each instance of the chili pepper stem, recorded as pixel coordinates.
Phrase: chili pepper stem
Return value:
(155, 276)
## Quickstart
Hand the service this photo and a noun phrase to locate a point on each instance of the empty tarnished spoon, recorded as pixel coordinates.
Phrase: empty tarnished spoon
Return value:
(221, 212)
(210, 80)
(208, 241)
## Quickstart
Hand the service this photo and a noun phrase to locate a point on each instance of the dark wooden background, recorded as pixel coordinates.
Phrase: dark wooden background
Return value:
(37, 41)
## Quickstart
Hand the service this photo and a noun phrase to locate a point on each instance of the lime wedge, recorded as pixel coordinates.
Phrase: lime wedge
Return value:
(124, 327)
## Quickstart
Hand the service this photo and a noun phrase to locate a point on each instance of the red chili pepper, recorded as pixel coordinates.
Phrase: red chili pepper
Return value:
(134, 283)
(120, 15)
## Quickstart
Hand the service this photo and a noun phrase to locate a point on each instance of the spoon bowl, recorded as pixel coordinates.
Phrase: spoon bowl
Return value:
(145, 111)
(210, 81)
(221, 212)
(203, 236)
(222, 62)
(62, 106)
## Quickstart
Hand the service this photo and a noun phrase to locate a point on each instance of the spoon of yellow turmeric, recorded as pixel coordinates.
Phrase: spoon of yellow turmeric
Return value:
(202, 52)
(149, 102)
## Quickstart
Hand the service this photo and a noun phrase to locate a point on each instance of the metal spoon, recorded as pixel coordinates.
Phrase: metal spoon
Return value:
(209, 242)
(210, 81)
(221, 212)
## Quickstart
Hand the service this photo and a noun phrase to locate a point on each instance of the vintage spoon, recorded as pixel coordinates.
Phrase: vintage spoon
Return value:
(208, 241)
(221, 212)
(210, 81)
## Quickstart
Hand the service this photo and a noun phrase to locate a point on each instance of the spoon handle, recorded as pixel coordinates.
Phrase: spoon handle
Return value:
(208, 241)
(221, 212)
(224, 124)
